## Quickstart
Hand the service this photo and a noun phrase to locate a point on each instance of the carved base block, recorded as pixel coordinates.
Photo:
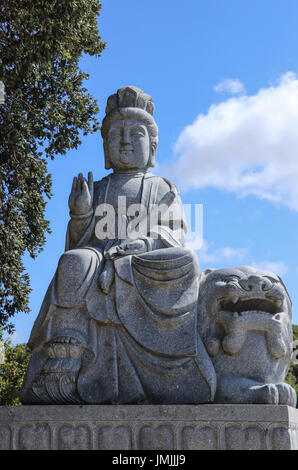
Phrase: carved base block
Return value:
(149, 427)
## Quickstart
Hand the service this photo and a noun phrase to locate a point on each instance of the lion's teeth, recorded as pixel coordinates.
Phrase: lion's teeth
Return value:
(235, 315)
(279, 303)
(235, 299)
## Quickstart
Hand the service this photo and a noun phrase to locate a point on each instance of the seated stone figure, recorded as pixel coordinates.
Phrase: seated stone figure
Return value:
(118, 323)
(245, 324)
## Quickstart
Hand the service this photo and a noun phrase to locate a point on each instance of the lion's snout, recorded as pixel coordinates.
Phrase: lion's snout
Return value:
(255, 283)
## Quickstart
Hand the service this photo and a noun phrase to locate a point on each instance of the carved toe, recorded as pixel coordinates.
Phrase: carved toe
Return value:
(65, 346)
(287, 395)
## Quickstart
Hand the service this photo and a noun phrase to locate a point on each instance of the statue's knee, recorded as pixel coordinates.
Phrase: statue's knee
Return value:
(73, 267)
(188, 256)
(192, 256)
(74, 260)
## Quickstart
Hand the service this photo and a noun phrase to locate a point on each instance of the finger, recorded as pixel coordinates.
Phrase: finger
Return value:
(132, 245)
(72, 192)
(90, 183)
(136, 251)
(74, 184)
(123, 246)
(80, 180)
(121, 252)
(85, 189)
(128, 252)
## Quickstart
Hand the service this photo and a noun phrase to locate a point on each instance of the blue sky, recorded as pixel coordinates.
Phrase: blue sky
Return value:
(223, 75)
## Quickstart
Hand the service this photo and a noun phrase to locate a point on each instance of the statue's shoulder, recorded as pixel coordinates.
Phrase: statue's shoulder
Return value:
(98, 185)
(101, 181)
(163, 183)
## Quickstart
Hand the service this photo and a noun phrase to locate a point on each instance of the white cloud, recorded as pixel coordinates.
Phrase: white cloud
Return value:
(247, 145)
(195, 243)
(208, 254)
(230, 85)
(222, 257)
(278, 267)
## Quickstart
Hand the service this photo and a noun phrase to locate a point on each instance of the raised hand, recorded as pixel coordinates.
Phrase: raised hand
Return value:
(81, 197)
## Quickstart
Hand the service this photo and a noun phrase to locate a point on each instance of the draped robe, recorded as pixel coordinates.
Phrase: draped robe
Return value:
(140, 342)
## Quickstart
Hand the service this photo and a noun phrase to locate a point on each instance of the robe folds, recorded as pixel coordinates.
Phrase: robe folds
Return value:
(139, 342)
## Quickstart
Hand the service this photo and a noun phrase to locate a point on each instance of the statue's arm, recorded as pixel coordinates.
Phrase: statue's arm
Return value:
(168, 230)
(76, 230)
(81, 210)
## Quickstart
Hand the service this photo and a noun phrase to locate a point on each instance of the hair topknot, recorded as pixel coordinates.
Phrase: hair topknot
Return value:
(130, 102)
(130, 97)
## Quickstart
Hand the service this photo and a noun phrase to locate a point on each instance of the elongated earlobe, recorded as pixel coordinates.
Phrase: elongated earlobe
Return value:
(151, 162)
(106, 154)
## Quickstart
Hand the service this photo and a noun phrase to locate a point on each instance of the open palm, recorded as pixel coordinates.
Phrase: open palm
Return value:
(81, 197)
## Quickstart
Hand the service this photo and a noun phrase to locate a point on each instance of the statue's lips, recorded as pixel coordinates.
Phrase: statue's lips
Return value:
(125, 156)
(241, 305)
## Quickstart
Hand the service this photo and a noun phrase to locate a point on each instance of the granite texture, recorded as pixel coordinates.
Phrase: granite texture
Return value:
(128, 318)
(118, 323)
(149, 427)
(245, 323)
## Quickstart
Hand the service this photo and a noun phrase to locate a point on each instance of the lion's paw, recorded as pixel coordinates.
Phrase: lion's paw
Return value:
(264, 394)
(287, 395)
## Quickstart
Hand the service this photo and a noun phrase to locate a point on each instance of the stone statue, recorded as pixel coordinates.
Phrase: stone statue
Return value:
(118, 323)
(245, 323)
(128, 318)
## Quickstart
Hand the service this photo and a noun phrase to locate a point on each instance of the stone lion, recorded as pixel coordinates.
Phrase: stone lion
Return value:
(245, 323)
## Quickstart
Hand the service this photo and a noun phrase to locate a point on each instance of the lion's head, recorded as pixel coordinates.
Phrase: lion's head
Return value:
(233, 302)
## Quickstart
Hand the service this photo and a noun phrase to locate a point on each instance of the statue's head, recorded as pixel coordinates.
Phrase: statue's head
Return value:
(129, 132)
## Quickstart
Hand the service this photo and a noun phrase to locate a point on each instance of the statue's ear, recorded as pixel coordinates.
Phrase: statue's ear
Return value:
(284, 286)
(153, 147)
(204, 274)
(207, 271)
(106, 154)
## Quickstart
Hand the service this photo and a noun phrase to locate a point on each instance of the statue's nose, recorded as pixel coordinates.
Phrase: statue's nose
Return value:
(256, 283)
(126, 138)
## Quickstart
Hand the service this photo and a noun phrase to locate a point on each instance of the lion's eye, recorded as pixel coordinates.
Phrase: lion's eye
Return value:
(271, 279)
(234, 279)
(220, 283)
(227, 280)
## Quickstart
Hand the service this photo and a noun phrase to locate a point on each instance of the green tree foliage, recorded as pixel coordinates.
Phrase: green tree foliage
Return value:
(45, 112)
(12, 372)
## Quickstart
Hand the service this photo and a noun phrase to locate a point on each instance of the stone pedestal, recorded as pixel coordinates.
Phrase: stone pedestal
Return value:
(144, 427)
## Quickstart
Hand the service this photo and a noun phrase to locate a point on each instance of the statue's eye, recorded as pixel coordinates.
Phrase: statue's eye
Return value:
(137, 133)
(114, 133)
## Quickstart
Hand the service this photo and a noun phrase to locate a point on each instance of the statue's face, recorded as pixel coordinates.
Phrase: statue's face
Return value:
(243, 291)
(128, 145)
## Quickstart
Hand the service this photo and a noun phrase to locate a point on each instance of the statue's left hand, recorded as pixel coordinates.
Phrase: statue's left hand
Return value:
(132, 247)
